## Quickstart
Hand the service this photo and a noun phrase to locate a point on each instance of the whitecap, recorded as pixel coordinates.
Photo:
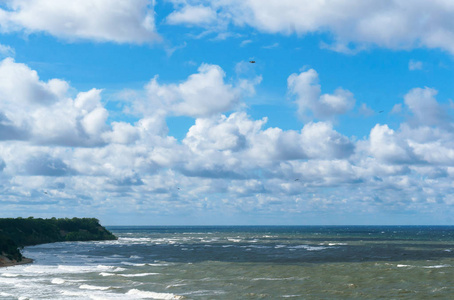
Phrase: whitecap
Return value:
(159, 265)
(153, 295)
(175, 285)
(57, 281)
(2, 294)
(94, 287)
(132, 264)
(138, 274)
(403, 266)
(10, 275)
(309, 248)
(104, 274)
(234, 240)
(436, 266)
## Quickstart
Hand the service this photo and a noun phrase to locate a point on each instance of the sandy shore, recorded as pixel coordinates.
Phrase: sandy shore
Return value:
(5, 262)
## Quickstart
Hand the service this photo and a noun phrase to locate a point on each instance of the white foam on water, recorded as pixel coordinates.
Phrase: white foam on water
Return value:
(309, 248)
(138, 274)
(107, 274)
(10, 275)
(159, 265)
(135, 256)
(235, 240)
(57, 281)
(280, 246)
(290, 296)
(94, 295)
(134, 240)
(132, 264)
(259, 247)
(336, 244)
(436, 266)
(175, 285)
(153, 295)
(404, 266)
(2, 294)
(94, 287)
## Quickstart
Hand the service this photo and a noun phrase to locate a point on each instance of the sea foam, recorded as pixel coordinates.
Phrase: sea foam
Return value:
(94, 287)
(153, 295)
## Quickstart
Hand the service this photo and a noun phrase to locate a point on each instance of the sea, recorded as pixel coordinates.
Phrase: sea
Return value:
(242, 262)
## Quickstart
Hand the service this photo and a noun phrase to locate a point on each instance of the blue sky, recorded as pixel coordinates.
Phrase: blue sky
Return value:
(150, 113)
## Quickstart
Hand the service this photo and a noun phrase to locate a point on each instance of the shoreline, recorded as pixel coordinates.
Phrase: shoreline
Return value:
(5, 262)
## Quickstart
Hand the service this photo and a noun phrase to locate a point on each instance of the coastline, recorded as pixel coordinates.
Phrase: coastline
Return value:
(5, 262)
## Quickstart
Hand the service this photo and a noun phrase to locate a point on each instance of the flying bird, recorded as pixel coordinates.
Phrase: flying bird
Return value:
(252, 61)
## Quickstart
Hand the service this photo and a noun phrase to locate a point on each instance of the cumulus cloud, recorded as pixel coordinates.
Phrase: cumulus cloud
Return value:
(67, 145)
(238, 146)
(387, 146)
(99, 20)
(192, 15)
(425, 108)
(202, 94)
(392, 23)
(44, 113)
(305, 86)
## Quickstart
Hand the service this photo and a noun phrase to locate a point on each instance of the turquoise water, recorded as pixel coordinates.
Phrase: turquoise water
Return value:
(242, 263)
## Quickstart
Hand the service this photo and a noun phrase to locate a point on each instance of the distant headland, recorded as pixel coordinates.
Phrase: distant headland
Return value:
(20, 232)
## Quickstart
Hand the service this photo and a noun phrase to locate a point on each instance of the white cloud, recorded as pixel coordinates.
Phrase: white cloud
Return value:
(387, 146)
(44, 113)
(391, 23)
(202, 94)
(414, 65)
(365, 110)
(99, 20)
(425, 108)
(64, 145)
(309, 99)
(192, 15)
(6, 51)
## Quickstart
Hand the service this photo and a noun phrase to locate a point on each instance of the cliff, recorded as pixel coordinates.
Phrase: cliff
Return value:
(20, 232)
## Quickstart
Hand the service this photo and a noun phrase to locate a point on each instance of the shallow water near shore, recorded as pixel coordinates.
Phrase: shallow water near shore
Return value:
(241, 263)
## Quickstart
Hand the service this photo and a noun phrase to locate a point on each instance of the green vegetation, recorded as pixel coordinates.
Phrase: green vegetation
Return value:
(20, 232)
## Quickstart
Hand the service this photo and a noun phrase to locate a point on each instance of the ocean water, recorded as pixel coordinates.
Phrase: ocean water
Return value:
(242, 263)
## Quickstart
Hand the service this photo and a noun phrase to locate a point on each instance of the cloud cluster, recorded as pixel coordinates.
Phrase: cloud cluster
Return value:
(392, 23)
(310, 101)
(99, 20)
(202, 94)
(61, 149)
(354, 25)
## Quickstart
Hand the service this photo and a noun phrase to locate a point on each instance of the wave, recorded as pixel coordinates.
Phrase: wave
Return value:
(10, 275)
(153, 295)
(94, 287)
(57, 281)
(437, 266)
(138, 274)
(132, 264)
